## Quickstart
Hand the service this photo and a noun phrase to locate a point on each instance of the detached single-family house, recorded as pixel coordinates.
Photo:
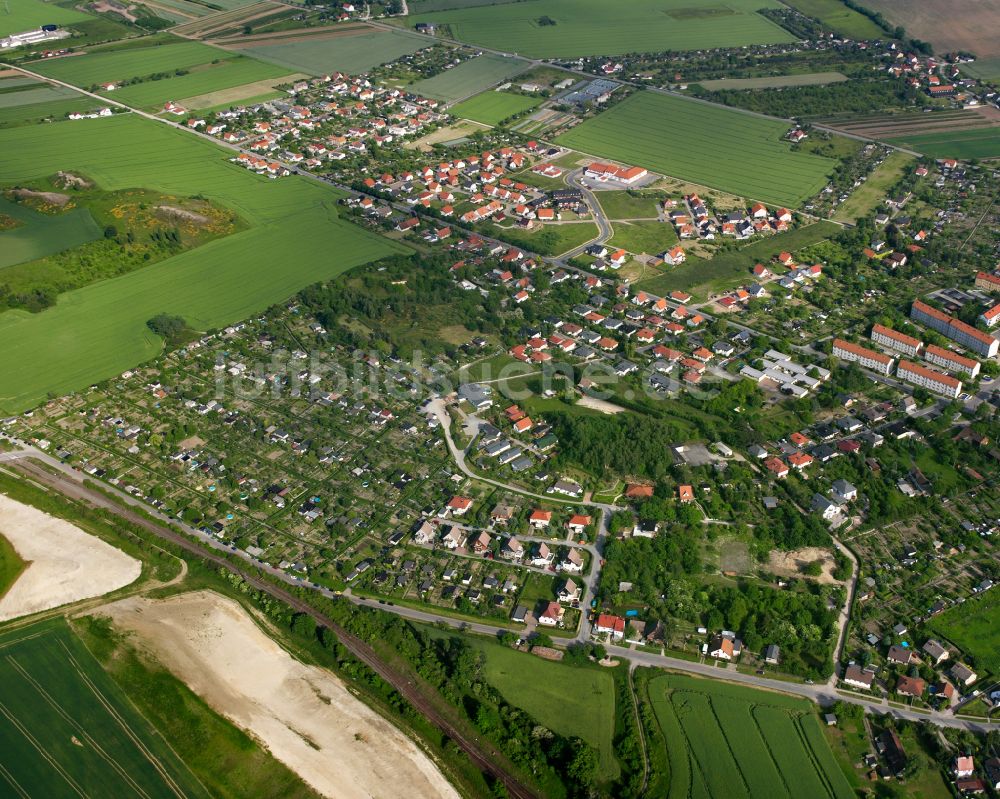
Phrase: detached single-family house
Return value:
(858, 677)
(961, 673)
(551, 614)
(900, 655)
(572, 562)
(569, 591)
(910, 686)
(612, 626)
(935, 652)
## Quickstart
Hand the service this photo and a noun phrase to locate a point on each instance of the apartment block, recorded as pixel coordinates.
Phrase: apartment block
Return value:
(951, 361)
(894, 340)
(966, 335)
(869, 359)
(930, 379)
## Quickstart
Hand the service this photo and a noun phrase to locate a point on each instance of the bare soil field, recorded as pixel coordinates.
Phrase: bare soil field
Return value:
(237, 94)
(879, 126)
(65, 564)
(790, 564)
(947, 24)
(303, 714)
(446, 134)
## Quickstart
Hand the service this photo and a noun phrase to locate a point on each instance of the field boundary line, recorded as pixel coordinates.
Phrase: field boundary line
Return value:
(41, 750)
(67, 717)
(126, 728)
(13, 783)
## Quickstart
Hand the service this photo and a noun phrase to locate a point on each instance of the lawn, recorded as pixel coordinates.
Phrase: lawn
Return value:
(567, 699)
(11, 565)
(100, 330)
(353, 53)
(550, 239)
(727, 740)
(122, 64)
(962, 144)
(650, 238)
(705, 144)
(492, 108)
(732, 268)
(571, 28)
(24, 15)
(869, 195)
(974, 627)
(42, 234)
(469, 77)
(629, 204)
(838, 17)
(67, 730)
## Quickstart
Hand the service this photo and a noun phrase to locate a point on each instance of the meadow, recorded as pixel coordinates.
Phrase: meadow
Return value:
(571, 28)
(963, 144)
(24, 15)
(973, 627)
(727, 740)
(354, 53)
(732, 268)
(67, 730)
(705, 144)
(491, 108)
(469, 77)
(567, 699)
(122, 64)
(40, 234)
(98, 331)
(838, 17)
(869, 195)
(650, 238)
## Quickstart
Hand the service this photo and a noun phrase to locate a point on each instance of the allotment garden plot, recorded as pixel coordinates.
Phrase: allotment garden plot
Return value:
(571, 28)
(294, 238)
(67, 730)
(709, 145)
(727, 740)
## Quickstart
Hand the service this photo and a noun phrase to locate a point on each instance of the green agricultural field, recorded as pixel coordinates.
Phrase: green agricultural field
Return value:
(122, 64)
(67, 730)
(57, 109)
(40, 234)
(962, 144)
(18, 16)
(492, 108)
(566, 699)
(469, 77)
(295, 239)
(705, 144)
(39, 93)
(353, 54)
(11, 565)
(974, 627)
(201, 81)
(571, 28)
(732, 268)
(774, 82)
(840, 18)
(870, 194)
(727, 740)
(984, 68)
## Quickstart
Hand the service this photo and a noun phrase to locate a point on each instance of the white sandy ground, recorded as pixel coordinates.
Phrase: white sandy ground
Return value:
(65, 564)
(303, 714)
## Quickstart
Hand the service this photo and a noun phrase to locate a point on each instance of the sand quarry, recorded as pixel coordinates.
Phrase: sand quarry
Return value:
(303, 714)
(65, 564)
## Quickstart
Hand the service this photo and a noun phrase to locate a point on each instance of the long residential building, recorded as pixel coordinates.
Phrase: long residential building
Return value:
(988, 281)
(894, 340)
(969, 337)
(930, 379)
(876, 361)
(951, 361)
